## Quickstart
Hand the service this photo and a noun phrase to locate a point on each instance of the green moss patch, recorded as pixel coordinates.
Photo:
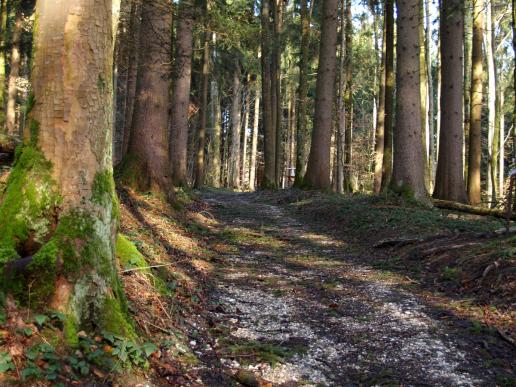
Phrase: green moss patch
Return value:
(128, 255)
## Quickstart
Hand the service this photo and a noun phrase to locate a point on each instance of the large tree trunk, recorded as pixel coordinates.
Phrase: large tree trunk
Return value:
(380, 121)
(302, 130)
(12, 88)
(475, 131)
(203, 111)
(146, 165)
(390, 79)
(318, 170)
(181, 94)
(234, 158)
(449, 181)
(254, 141)
(62, 180)
(408, 175)
(269, 178)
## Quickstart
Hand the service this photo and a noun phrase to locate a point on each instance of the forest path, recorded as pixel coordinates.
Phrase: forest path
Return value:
(289, 294)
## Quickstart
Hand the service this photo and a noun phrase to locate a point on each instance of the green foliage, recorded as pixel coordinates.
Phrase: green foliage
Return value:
(128, 254)
(127, 351)
(6, 363)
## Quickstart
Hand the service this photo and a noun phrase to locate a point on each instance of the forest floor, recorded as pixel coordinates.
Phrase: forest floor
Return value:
(298, 289)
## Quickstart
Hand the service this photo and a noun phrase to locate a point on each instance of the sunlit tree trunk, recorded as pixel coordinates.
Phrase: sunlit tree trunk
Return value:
(181, 84)
(491, 103)
(431, 159)
(63, 177)
(409, 165)
(4, 141)
(247, 116)
(380, 121)
(318, 170)
(390, 79)
(254, 140)
(449, 181)
(423, 81)
(475, 132)
(348, 100)
(276, 89)
(234, 155)
(215, 137)
(14, 73)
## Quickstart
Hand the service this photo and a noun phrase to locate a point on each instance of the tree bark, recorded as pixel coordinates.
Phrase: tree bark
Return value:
(245, 125)
(278, 98)
(201, 132)
(269, 178)
(302, 131)
(348, 100)
(63, 177)
(409, 165)
(449, 181)
(12, 89)
(475, 132)
(380, 121)
(254, 141)
(215, 137)
(390, 79)
(5, 143)
(181, 94)
(491, 104)
(318, 170)
(234, 157)
(146, 165)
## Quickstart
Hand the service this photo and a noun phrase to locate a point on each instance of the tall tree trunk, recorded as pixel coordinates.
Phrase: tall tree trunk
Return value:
(501, 156)
(341, 108)
(380, 121)
(318, 170)
(254, 141)
(182, 75)
(449, 181)
(475, 131)
(234, 157)
(146, 165)
(430, 97)
(467, 38)
(269, 178)
(215, 137)
(247, 117)
(14, 73)
(408, 174)
(63, 176)
(348, 100)
(390, 79)
(132, 73)
(423, 81)
(4, 141)
(278, 109)
(203, 112)
(491, 103)
(302, 130)
(514, 80)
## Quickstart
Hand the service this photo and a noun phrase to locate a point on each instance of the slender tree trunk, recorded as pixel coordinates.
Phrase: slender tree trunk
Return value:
(4, 141)
(348, 100)
(449, 181)
(269, 178)
(146, 167)
(380, 121)
(423, 81)
(430, 97)
(302, 130)
(181, 94)
(12, 90)
(467, 38)
(341, 128)
(254, 142)
(318, 170)
(409, 165)
(203, 112)
(501, 158)
(491, 103)
(247, 117)
(234, 157)
(278, 109)
(64, 173)
(514, 80)
(215, 137)
(390, 79)
(475, 132)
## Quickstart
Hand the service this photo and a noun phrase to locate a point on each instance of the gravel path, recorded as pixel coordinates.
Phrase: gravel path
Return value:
(288, 286)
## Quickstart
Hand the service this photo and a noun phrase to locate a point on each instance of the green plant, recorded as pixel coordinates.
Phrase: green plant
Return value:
(6, 362)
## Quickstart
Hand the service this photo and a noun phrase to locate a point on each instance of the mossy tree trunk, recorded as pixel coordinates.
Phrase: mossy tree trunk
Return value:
(59, 211)
(5, 143)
